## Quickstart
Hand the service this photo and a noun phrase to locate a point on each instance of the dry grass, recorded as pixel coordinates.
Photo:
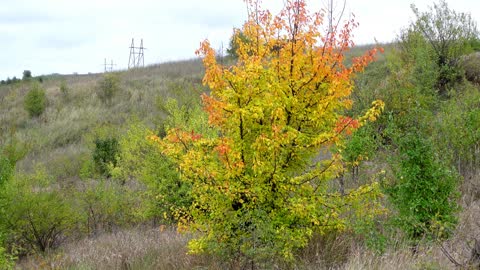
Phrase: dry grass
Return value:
(140, 248)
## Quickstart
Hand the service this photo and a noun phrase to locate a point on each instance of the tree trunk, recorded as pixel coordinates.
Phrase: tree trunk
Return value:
(342, 185)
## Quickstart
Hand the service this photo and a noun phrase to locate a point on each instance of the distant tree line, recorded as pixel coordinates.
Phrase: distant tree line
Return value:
(27, 75)
(10, 81)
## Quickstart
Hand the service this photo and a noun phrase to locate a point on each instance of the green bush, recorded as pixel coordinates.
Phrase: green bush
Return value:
(417, 58)
(425, 190)
(359, 147)
(87, 169)
(167, 196)
(187, 116)
(36, 216)
(8, 159)
(457, 131)
(35, 101)
(107, 205)
(141, 159)
(105, 155)
(107, 87)
(449, 35)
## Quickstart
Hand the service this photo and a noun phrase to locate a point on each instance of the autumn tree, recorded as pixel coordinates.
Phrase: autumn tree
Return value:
(263, 186)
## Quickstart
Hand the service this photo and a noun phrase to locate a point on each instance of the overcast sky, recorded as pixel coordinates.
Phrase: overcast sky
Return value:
(67, 36)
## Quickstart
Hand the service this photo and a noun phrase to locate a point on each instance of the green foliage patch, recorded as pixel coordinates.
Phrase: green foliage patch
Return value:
(35, 101)
(36, 217)
(424, 192)
(105, 154)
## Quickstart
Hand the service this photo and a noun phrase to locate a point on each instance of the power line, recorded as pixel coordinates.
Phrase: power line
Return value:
(108, 66)
(136, 58)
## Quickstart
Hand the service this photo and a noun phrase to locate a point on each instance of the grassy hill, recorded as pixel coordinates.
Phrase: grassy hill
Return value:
(59, 136)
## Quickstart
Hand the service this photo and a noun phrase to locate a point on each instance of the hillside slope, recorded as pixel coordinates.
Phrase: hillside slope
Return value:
(59, 137)
(113, 231)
